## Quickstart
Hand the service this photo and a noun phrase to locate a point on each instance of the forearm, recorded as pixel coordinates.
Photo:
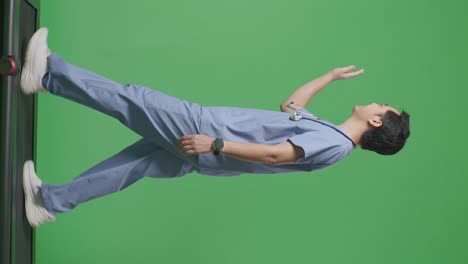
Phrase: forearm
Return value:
(304, 93)
(252, 152)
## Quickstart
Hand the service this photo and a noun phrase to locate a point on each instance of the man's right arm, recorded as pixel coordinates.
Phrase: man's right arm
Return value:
(304, 94)
(282, 153)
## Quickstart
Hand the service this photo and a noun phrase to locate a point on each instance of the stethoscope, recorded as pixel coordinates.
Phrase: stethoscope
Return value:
(298, 115)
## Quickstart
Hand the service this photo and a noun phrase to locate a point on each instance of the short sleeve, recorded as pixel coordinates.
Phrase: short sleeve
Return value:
(319, 148)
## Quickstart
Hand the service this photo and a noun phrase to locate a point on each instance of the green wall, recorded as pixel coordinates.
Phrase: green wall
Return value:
(407, 208)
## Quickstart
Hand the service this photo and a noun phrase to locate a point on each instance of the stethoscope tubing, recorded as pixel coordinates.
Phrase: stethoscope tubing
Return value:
(298, 115)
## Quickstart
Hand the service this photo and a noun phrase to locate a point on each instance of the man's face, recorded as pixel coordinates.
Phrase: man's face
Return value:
(373, 112)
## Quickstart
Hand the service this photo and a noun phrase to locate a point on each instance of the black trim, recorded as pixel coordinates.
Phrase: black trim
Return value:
(34, 3)
(335, 128)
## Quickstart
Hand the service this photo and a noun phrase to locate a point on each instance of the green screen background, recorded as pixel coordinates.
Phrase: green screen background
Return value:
(407, 208)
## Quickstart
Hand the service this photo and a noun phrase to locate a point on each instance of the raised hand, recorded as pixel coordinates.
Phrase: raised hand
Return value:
(343, 73)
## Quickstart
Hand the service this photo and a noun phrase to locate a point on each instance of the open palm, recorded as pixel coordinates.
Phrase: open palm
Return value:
(344, 72)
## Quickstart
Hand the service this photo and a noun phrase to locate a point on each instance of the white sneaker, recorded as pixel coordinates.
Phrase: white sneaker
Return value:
(35, 66)
(36, 212)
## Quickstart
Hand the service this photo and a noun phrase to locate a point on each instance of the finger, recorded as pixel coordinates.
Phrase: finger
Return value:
(183, 146)
(353, 74)
(184, 141)
(191, 137)
(350, 67)
(358, 72)
(186, 150)
(186, 147)
(185, 137)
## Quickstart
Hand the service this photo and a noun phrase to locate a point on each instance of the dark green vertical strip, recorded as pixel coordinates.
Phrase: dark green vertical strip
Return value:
(17, 134)
(7, 8)
(25, 126)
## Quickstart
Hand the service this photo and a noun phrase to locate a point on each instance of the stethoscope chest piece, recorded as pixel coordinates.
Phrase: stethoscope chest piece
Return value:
(295, 116)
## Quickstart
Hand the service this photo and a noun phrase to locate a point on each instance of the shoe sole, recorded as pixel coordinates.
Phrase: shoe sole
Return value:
(36, 215)
(29, 195)
(27, 80)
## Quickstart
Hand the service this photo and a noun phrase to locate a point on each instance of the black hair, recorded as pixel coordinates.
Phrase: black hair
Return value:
(389, 138)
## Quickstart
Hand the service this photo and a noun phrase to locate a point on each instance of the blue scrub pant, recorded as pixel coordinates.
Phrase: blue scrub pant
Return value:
(159, 118)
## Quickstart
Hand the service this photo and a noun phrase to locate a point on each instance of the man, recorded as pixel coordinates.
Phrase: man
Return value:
(179, 137)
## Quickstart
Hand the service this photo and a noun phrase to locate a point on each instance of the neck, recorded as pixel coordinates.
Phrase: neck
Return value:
(354, 128)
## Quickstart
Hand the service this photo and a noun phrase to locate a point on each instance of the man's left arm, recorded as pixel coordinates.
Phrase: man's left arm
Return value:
(252, 152)
(283, 153)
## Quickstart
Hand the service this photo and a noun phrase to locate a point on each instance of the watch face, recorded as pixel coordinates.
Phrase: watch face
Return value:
(218, 143)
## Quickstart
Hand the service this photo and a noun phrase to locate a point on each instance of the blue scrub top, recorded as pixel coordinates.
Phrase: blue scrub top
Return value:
(324, 143)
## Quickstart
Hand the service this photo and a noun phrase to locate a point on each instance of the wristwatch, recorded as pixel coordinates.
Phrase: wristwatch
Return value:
(217, 145)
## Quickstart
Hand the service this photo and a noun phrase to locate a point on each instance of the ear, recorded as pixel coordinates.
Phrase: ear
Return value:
(375, 122)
